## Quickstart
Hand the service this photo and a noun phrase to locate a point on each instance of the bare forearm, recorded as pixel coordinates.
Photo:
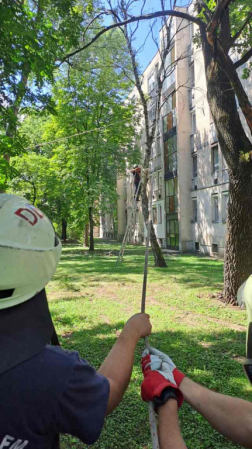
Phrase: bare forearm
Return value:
(117, 367)
(232, 417)
(168, 427)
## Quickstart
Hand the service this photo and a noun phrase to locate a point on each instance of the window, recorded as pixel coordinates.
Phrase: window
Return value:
(153, 150)
(169, 71)
(225, 200)
(152, 114)
(196, 246)
(169, 119)
(171, 194)
(170, 154)
(172, 233)
(215, 158)
(193, 123)
(215, 248)
(154, 215)
(158, 146)
(215, 208)
(192, 76)
(195, 166)
(151, 82)
(195, 210)
(160, 214)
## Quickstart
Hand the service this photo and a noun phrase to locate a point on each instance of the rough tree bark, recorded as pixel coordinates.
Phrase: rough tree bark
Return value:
(63, 229)
(91, 229)
(86, 235)
(236, 149)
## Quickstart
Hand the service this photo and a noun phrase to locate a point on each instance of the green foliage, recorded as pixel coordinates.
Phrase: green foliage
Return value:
(92, 297)
(34, 38)
(67, 177)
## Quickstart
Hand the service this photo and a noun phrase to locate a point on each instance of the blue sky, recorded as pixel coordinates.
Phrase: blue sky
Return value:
(149, 50)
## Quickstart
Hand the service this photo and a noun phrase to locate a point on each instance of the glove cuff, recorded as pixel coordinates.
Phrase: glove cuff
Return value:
(178, 376)
(153, 385)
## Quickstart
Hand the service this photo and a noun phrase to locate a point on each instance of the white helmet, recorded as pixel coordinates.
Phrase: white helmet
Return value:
(29, 250)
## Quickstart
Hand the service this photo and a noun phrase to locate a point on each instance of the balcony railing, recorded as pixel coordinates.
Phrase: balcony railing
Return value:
(213, 134)
(225, 175)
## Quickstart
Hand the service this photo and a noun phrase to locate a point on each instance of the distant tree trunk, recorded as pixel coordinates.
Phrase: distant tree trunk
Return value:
(64, 230)
(91, 229)
(237, 150)
(86, 231)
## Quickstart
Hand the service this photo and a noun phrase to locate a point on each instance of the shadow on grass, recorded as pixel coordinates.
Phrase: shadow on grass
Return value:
(213, 366)
(196, 272)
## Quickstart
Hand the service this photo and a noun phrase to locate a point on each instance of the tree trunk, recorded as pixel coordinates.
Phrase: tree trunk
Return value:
(236, 149)
(238, 254)
(86, 231)
(91, 229)
(63, 230)
(157, 252)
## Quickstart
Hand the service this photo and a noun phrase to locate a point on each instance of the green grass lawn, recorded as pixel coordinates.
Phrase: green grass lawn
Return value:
(91, 297)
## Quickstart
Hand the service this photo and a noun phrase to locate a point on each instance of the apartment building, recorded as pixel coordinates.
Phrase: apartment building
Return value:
(191, 184)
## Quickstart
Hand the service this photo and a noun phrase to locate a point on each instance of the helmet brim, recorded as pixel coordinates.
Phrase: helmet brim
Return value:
(25, 330)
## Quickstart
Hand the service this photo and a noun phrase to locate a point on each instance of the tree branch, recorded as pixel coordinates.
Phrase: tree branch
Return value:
(212, 26)
(228, 67)
(244, 59)
(180, 14)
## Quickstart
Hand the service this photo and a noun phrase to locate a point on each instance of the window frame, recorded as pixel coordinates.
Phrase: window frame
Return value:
(195, 158)
(172, 155)
(154, 215)
(214, 197)
(195, 209)
(175, 196)
(225, 205)
(213, 148)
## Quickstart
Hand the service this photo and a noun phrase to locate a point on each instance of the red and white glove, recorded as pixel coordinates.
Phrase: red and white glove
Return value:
(159, 373)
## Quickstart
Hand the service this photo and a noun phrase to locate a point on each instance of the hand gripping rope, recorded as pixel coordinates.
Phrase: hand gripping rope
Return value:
(152, 417)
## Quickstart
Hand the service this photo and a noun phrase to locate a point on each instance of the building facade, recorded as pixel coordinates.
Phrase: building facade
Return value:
(191, 183)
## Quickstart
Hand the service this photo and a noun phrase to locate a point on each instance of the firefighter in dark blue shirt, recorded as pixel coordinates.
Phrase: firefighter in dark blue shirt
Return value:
(44, 389)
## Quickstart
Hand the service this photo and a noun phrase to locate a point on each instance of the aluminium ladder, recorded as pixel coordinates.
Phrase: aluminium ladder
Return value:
(130, 225)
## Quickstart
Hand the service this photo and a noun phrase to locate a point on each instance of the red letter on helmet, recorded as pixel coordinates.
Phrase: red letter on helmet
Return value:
(22, 213)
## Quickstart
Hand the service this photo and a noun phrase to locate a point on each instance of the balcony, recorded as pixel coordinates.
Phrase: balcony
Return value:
(213, 134)
(191, 98)
(225, 175)
(194, 183)
(190, 50)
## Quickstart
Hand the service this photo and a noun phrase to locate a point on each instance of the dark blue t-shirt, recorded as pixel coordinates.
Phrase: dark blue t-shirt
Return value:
(54, 392)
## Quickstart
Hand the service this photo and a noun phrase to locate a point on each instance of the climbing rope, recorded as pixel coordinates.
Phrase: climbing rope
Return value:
(152, 417)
